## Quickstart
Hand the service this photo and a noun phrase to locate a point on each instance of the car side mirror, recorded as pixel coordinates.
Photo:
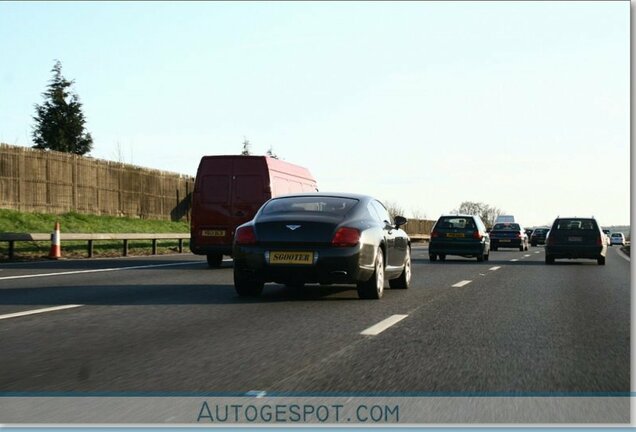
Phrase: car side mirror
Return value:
(399, 221)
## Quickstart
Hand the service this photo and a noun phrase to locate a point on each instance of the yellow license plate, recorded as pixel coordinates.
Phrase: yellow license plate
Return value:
(291, 257)
(455, 235)
(213, 233)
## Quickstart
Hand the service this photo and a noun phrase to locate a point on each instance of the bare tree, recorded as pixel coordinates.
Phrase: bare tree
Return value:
(394, 209)
(487, 213)
(246, 147)
(270, 153)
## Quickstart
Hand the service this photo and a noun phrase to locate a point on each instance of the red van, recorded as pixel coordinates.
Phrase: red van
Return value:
(229, 190)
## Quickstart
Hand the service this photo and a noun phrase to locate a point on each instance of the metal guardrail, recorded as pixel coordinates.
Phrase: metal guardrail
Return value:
(12, 238)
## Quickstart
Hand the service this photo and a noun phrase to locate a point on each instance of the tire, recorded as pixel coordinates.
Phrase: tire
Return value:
(549, 259)
(487, 256)
(374, 287)
(480, 257)
(494, 248)
(442, 257)
(214, 260)
(533, 244)
(246, 286)
(521, 248)
(404, 280)
(432, 257)
(600, 260)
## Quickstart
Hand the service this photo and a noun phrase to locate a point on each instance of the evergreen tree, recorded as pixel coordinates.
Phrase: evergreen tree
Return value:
(59, 121)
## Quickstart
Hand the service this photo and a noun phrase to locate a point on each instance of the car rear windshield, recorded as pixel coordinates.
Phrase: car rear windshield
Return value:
(617, 235)
(456, 223)
(315, 204)
(576, 224)
(506, 227)
(540, 231)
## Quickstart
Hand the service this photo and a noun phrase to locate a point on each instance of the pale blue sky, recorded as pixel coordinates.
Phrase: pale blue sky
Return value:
(521, 105)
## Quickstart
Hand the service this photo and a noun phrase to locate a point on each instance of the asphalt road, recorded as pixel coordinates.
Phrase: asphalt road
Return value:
(170, 324)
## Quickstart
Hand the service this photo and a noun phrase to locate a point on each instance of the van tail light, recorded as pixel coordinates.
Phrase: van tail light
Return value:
(346, 237)
(245, 236)
(518, 235)
(434, 234)
(477, 235)
(599, 241)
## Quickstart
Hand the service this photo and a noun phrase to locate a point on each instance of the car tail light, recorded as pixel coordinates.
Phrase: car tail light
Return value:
(245, 236)
(518, 235)
(434, 234)
(477, 235)
(346, 237)
(599, 241)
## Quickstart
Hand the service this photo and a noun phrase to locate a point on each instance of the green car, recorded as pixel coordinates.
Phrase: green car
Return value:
(463, 235)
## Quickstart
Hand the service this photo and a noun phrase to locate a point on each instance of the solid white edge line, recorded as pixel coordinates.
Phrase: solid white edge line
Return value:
(494, 268)
(461, 283)
(38, 311)
(96, 270)
(623, 255)
(383, 325)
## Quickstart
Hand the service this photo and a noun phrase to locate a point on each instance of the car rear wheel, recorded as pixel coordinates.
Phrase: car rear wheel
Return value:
(432, 257)
(600, 260)
(494, 248)
(214, 260)
(522, 248)
(246, 286)
(374, 287)
(533, 243)
(442, 257)
(480, 257)
(404, 280)
(549, 259)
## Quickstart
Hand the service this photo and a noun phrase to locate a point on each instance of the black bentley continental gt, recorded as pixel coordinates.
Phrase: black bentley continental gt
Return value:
(322, 238)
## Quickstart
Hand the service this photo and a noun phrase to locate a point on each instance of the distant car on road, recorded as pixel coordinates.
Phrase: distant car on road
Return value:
(463, 235)
(575, 238)
(617, 238)
(508, 235)
(322, 238)
(538, 236)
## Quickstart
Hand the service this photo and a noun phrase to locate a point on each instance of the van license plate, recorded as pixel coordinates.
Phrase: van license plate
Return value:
(575, 239)
(504, 241)
(291, 257)
(213, 233)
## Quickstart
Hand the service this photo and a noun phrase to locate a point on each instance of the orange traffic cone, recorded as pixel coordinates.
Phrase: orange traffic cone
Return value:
(56, 250)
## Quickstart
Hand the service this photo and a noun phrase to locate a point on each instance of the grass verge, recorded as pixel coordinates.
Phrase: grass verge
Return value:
(18, 222)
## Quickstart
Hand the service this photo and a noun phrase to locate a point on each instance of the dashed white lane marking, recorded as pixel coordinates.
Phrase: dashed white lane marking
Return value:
(494, 268)
(97, 270)
(383, 325)
(38, 311)
(538, 252)
(461, 283)
(513, 260)
(527, 255)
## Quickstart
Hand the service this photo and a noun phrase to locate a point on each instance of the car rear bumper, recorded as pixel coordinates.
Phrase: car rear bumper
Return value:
(591, 252)
(332, 265)
(452, 248)
(510, 243)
